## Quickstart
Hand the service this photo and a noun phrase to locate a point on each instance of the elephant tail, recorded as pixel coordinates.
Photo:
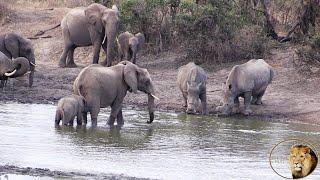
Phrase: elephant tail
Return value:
(59, 115)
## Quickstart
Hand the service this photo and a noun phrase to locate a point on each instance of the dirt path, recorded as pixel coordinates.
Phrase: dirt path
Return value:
(290, 96)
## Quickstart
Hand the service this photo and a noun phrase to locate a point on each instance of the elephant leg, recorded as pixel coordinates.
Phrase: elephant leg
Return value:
(259, 98)
(254, 99)
(94, 115)
(70, 62)
(67, 47)
(134, 59)
(31, 78)
(84, 117)
(79, 118)
(71, 122)
(105, 49)
(115, 108)
(203, 98)
(96, 52)
(247, 102)
(185, 99)
(236, 105)
(120, 120)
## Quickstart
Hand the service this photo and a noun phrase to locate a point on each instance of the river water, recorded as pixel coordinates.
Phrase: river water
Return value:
(174, 146)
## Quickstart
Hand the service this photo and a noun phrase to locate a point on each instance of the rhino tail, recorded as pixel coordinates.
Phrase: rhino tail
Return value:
(272, 73)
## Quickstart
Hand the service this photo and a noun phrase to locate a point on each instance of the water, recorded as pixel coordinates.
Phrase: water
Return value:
(173, 147)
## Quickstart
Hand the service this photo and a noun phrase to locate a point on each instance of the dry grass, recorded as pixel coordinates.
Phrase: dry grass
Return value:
(50, 3)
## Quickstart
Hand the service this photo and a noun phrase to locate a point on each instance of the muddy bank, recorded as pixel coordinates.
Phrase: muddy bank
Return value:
(40, 172)
(291, 95)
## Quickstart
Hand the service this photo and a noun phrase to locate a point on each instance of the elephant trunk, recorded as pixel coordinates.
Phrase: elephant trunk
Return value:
(150, 108)
(19, 67)
(109, 38)
(32, 63)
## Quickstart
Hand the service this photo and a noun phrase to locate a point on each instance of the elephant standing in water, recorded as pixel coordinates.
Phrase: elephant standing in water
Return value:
(95, 25)
(12, 68)
(68, 108)
(14, 46)
(107, 86)
(129, 45)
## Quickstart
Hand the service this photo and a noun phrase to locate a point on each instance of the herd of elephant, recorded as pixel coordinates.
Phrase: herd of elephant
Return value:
(104, 85)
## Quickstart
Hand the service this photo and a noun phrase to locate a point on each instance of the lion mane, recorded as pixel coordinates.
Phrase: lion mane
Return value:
(302, 161)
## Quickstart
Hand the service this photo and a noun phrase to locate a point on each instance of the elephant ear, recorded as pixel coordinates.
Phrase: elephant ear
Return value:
(130, 76)
(140, 37)
(94, 14)
(12, 45)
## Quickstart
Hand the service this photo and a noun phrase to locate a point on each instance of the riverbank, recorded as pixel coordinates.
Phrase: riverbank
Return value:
(291, 96)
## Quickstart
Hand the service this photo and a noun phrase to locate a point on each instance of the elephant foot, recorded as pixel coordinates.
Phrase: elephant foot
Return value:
(259, 102)
(247, 112)
(94, 123)
(62, 65)
(236, 110)
(72, 65)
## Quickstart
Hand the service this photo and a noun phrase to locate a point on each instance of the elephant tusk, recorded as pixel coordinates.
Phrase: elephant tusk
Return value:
(155, 97)
(27, 72)
(104, 39)
(33, 64)
(10, 74)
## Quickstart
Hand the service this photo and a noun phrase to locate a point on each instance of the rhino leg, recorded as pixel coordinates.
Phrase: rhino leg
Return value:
(259, 98)
(247, 102)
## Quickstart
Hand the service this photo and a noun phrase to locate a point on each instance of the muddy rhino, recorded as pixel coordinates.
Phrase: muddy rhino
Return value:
(68, 108)
(192, 81)
(248, 80)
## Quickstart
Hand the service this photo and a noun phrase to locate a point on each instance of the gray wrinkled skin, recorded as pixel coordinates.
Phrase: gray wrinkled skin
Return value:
(192, 81)
(129, 45)
(68, 108)
(107, 86)
(250, 81)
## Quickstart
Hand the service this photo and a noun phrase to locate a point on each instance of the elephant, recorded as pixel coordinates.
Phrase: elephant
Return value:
(94, 25)
(250, 81)
(12, 68)
(107, 86)
(14, 46)
(68, 108)
(192, 81)
(129, 45)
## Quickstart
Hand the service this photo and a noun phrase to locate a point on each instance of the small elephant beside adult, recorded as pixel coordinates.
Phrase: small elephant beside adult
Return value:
(12, 68)
(68, 108)
(250, 81)
(14, 46)
(94, 25)
(129, 45)
(107, 86)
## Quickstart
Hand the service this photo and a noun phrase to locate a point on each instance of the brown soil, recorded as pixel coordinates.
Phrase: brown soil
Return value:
(291, 95)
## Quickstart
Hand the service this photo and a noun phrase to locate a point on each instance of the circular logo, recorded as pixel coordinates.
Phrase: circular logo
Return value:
(293, 158)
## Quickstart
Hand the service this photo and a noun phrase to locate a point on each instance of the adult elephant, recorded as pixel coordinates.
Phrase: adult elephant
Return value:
(107, 86)
(14, 46)
(94, 25)
(12, 68)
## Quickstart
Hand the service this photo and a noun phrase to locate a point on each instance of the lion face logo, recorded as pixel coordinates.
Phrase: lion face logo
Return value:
(302, 161)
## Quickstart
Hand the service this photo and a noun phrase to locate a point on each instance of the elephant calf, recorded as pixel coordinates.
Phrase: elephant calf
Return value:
(129, 45)
(248, 80)
(192, 81)
(68, 108)
(12, 68)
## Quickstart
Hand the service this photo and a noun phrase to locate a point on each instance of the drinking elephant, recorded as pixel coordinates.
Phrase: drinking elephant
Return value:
(94, 25)
(107, 86)
(14, 46)
(12, 68)
(68, 108)
(129, 45)
(250, 81)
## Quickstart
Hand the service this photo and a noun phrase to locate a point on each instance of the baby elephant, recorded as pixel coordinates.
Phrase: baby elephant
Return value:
(248, 80)
(192, 82)
(68, 108)
(129, 45)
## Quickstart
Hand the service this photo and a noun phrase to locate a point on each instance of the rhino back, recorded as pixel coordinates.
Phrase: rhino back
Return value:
(251, 75)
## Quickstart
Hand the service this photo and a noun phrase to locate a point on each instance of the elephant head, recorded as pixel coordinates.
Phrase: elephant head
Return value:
(12, 68)
(139, 79)
(104, 24)
(17, 46)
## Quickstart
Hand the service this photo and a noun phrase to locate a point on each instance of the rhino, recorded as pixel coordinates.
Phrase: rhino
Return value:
(192, 81)
(250, 81)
